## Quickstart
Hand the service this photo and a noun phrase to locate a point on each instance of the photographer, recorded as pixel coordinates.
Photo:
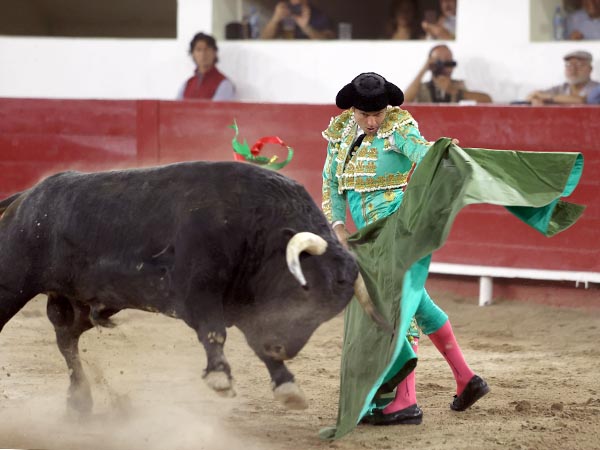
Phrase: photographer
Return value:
(297, 19)
(441, 88)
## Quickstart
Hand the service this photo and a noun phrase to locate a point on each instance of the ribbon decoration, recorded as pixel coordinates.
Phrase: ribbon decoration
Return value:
(242, 152)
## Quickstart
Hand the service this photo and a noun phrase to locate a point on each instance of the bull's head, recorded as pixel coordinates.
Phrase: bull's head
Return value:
(316, 245)
(286, 310)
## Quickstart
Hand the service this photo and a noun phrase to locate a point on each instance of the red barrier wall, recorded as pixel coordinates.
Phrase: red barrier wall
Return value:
(38, 137)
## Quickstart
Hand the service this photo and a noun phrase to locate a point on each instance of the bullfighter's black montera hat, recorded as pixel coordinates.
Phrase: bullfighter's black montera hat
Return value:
(369, 92)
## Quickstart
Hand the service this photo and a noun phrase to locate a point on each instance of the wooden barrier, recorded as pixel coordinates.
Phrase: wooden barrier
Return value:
(39, 137)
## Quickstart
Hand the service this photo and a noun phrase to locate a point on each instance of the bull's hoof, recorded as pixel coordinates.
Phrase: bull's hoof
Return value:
(220, 383)
(291, 396)
(79, 401)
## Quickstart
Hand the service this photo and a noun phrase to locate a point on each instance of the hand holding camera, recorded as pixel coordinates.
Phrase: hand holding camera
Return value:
(438, 67)
(441, 76)
(295, 9)
(301, 14)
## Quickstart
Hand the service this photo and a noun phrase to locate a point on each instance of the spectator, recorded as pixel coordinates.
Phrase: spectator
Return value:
(585, 22)
(442, 88)
(578, 67)
(403, 22)
(297, 19)
(445, 25)
(207, 82)
(593, 97)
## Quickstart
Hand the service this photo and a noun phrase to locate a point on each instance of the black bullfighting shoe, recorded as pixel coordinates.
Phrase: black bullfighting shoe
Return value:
(474, 390)
(412, 415)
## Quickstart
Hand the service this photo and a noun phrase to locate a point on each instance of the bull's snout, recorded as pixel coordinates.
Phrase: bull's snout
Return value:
(276, 351)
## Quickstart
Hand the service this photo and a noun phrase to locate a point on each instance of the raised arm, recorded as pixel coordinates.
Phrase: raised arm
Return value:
(410, 94)
(271, 28)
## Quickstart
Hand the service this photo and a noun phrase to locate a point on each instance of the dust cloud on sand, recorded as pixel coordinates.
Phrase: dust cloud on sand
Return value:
(42, 424)
(133, 408)
(542, 364)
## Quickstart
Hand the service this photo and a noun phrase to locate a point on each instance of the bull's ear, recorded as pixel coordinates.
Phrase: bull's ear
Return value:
(288, 233)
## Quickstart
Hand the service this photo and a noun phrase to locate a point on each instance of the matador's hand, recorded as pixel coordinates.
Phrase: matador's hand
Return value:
(342, 234)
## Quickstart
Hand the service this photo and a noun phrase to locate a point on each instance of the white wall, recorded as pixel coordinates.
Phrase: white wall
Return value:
(493, 48)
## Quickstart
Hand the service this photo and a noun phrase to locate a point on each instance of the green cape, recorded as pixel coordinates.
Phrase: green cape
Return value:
(394, 253)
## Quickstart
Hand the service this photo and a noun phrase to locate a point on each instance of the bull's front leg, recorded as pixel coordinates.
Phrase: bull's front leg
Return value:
(210, 328)
(217, 374)
(284, 387)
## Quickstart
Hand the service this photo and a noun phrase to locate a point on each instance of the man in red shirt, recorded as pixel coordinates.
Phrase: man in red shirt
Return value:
(207, 82)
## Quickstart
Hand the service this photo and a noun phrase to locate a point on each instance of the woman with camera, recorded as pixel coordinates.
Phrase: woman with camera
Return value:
(442, 88)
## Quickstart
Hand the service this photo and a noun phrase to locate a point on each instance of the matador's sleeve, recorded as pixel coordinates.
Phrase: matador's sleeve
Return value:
(334, 203)
(409, 140)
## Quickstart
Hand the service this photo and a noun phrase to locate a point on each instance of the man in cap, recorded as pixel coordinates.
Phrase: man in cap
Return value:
(207, 83)
(578, 69)
(373, 148)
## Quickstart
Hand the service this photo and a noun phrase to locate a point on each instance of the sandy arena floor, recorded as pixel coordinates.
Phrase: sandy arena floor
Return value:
(542, 363)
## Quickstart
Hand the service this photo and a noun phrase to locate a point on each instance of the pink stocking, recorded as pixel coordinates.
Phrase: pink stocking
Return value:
(445, 342)
(406, 394)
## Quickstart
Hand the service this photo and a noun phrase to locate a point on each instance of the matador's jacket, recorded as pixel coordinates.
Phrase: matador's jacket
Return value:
(371, 178)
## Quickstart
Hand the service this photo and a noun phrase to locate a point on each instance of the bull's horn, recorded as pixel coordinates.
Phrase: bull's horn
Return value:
(303, 242)
(362, 295)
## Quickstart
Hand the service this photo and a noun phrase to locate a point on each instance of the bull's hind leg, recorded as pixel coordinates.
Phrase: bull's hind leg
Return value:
(285, 389)
(70, 321)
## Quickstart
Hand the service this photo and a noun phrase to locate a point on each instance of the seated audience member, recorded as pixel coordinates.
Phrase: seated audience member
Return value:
(593, 97)
(445, 25)
(207, 82)
(442, 88)
(403, 22)
(297, 19)
(578, 68)
(585, 22)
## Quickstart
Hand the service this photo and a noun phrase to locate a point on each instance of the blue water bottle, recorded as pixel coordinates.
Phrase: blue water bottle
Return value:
(558, 24)
(254, 23)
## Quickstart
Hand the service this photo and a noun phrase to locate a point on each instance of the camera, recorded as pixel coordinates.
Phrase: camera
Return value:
(438, 66)
(296, 10)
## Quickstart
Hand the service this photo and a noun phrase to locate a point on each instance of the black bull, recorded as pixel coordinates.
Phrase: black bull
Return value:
(214, 244)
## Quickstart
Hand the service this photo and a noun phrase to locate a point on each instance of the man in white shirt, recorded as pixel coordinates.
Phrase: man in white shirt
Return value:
(578, 69)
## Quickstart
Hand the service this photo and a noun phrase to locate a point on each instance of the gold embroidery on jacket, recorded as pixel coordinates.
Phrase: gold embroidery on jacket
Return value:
(373, 183)
(360, 172)
(389, 196)
(326, 204)
(342, 126)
